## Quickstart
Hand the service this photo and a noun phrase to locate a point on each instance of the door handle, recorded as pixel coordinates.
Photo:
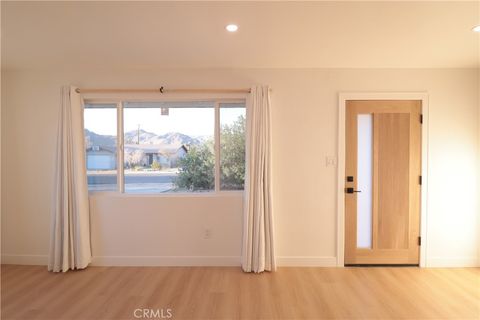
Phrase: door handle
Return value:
(351, 190)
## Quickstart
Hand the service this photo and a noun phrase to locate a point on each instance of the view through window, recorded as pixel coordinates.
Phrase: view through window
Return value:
(100, 123)
(167, 147)
(170, 150)
(232, 146)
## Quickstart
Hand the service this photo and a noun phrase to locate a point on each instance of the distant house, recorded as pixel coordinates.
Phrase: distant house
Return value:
(178, 154)
(146, 155)
(101, 158)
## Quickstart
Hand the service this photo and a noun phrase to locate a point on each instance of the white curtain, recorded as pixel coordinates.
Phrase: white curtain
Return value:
(70, 230)
(258, 253)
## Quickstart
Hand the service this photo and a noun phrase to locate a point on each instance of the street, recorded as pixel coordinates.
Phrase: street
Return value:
(151, 182)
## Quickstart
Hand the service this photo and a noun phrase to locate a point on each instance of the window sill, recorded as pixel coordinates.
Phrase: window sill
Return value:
(218, 194)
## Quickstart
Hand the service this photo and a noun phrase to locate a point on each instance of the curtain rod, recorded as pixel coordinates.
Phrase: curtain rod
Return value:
(162, 90)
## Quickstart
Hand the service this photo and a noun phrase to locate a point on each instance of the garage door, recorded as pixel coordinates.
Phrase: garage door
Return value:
(99, 162)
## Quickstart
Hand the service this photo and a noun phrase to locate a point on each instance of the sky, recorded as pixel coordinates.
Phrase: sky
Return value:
(190, 121)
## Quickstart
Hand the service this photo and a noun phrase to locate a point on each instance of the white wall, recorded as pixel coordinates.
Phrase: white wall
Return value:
(158, 229)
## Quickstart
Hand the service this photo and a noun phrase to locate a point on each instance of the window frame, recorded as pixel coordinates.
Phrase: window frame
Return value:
(119, 102)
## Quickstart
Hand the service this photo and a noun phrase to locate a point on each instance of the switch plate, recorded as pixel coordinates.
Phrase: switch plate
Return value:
(331, 161)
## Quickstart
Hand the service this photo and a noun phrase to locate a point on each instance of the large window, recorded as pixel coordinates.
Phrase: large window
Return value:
(165, 147)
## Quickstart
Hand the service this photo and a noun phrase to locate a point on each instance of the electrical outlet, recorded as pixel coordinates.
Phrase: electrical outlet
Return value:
(207, 233)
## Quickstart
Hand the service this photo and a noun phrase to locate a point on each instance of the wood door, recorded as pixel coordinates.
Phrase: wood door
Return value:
(383, 157)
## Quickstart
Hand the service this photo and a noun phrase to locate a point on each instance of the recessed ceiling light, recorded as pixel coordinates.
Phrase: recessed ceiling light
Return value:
(476, 28)
(231, 27)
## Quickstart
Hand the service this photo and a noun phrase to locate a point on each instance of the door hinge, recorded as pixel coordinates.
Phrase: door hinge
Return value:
(421, 118)
(419, 241)
(420, 180)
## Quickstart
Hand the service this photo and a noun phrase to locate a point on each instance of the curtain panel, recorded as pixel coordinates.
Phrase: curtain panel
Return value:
(258, 252)
(70, 228)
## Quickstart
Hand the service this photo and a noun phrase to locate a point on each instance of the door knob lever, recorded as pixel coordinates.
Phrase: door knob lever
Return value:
(351, 190)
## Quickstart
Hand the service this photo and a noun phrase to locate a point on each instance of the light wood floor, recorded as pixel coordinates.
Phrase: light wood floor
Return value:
(30, 292)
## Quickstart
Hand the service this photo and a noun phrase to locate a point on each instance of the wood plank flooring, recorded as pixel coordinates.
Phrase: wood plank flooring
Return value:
(30, 292)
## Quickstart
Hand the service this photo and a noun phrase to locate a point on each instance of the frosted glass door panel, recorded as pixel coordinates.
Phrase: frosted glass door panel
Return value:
(364, 180)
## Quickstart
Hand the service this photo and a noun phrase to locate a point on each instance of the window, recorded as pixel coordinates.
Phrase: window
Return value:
(101, 146)
(168, 147)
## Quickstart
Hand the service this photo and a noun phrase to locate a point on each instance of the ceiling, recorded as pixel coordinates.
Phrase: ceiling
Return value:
(322, 34)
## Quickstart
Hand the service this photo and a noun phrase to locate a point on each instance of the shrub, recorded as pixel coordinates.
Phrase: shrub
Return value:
(196, 168)
(156, 166)
(232, 153)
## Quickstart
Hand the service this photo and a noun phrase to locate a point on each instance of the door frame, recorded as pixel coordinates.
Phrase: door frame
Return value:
(342, 98)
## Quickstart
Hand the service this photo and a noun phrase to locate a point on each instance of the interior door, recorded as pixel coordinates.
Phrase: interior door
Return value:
(382, 182)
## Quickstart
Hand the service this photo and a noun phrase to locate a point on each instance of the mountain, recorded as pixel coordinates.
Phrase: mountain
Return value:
(174, 139)
(202, 139)
(94, 139)
(138, 136)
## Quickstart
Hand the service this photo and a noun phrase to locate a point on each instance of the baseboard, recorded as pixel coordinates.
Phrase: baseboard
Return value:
(214, 261)
(283, 261)
(31, 260)
(133, 260)
(166, 261)
(301, 261)
(461, 262)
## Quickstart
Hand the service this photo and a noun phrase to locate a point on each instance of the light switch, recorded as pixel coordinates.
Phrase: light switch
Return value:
(330, 161)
